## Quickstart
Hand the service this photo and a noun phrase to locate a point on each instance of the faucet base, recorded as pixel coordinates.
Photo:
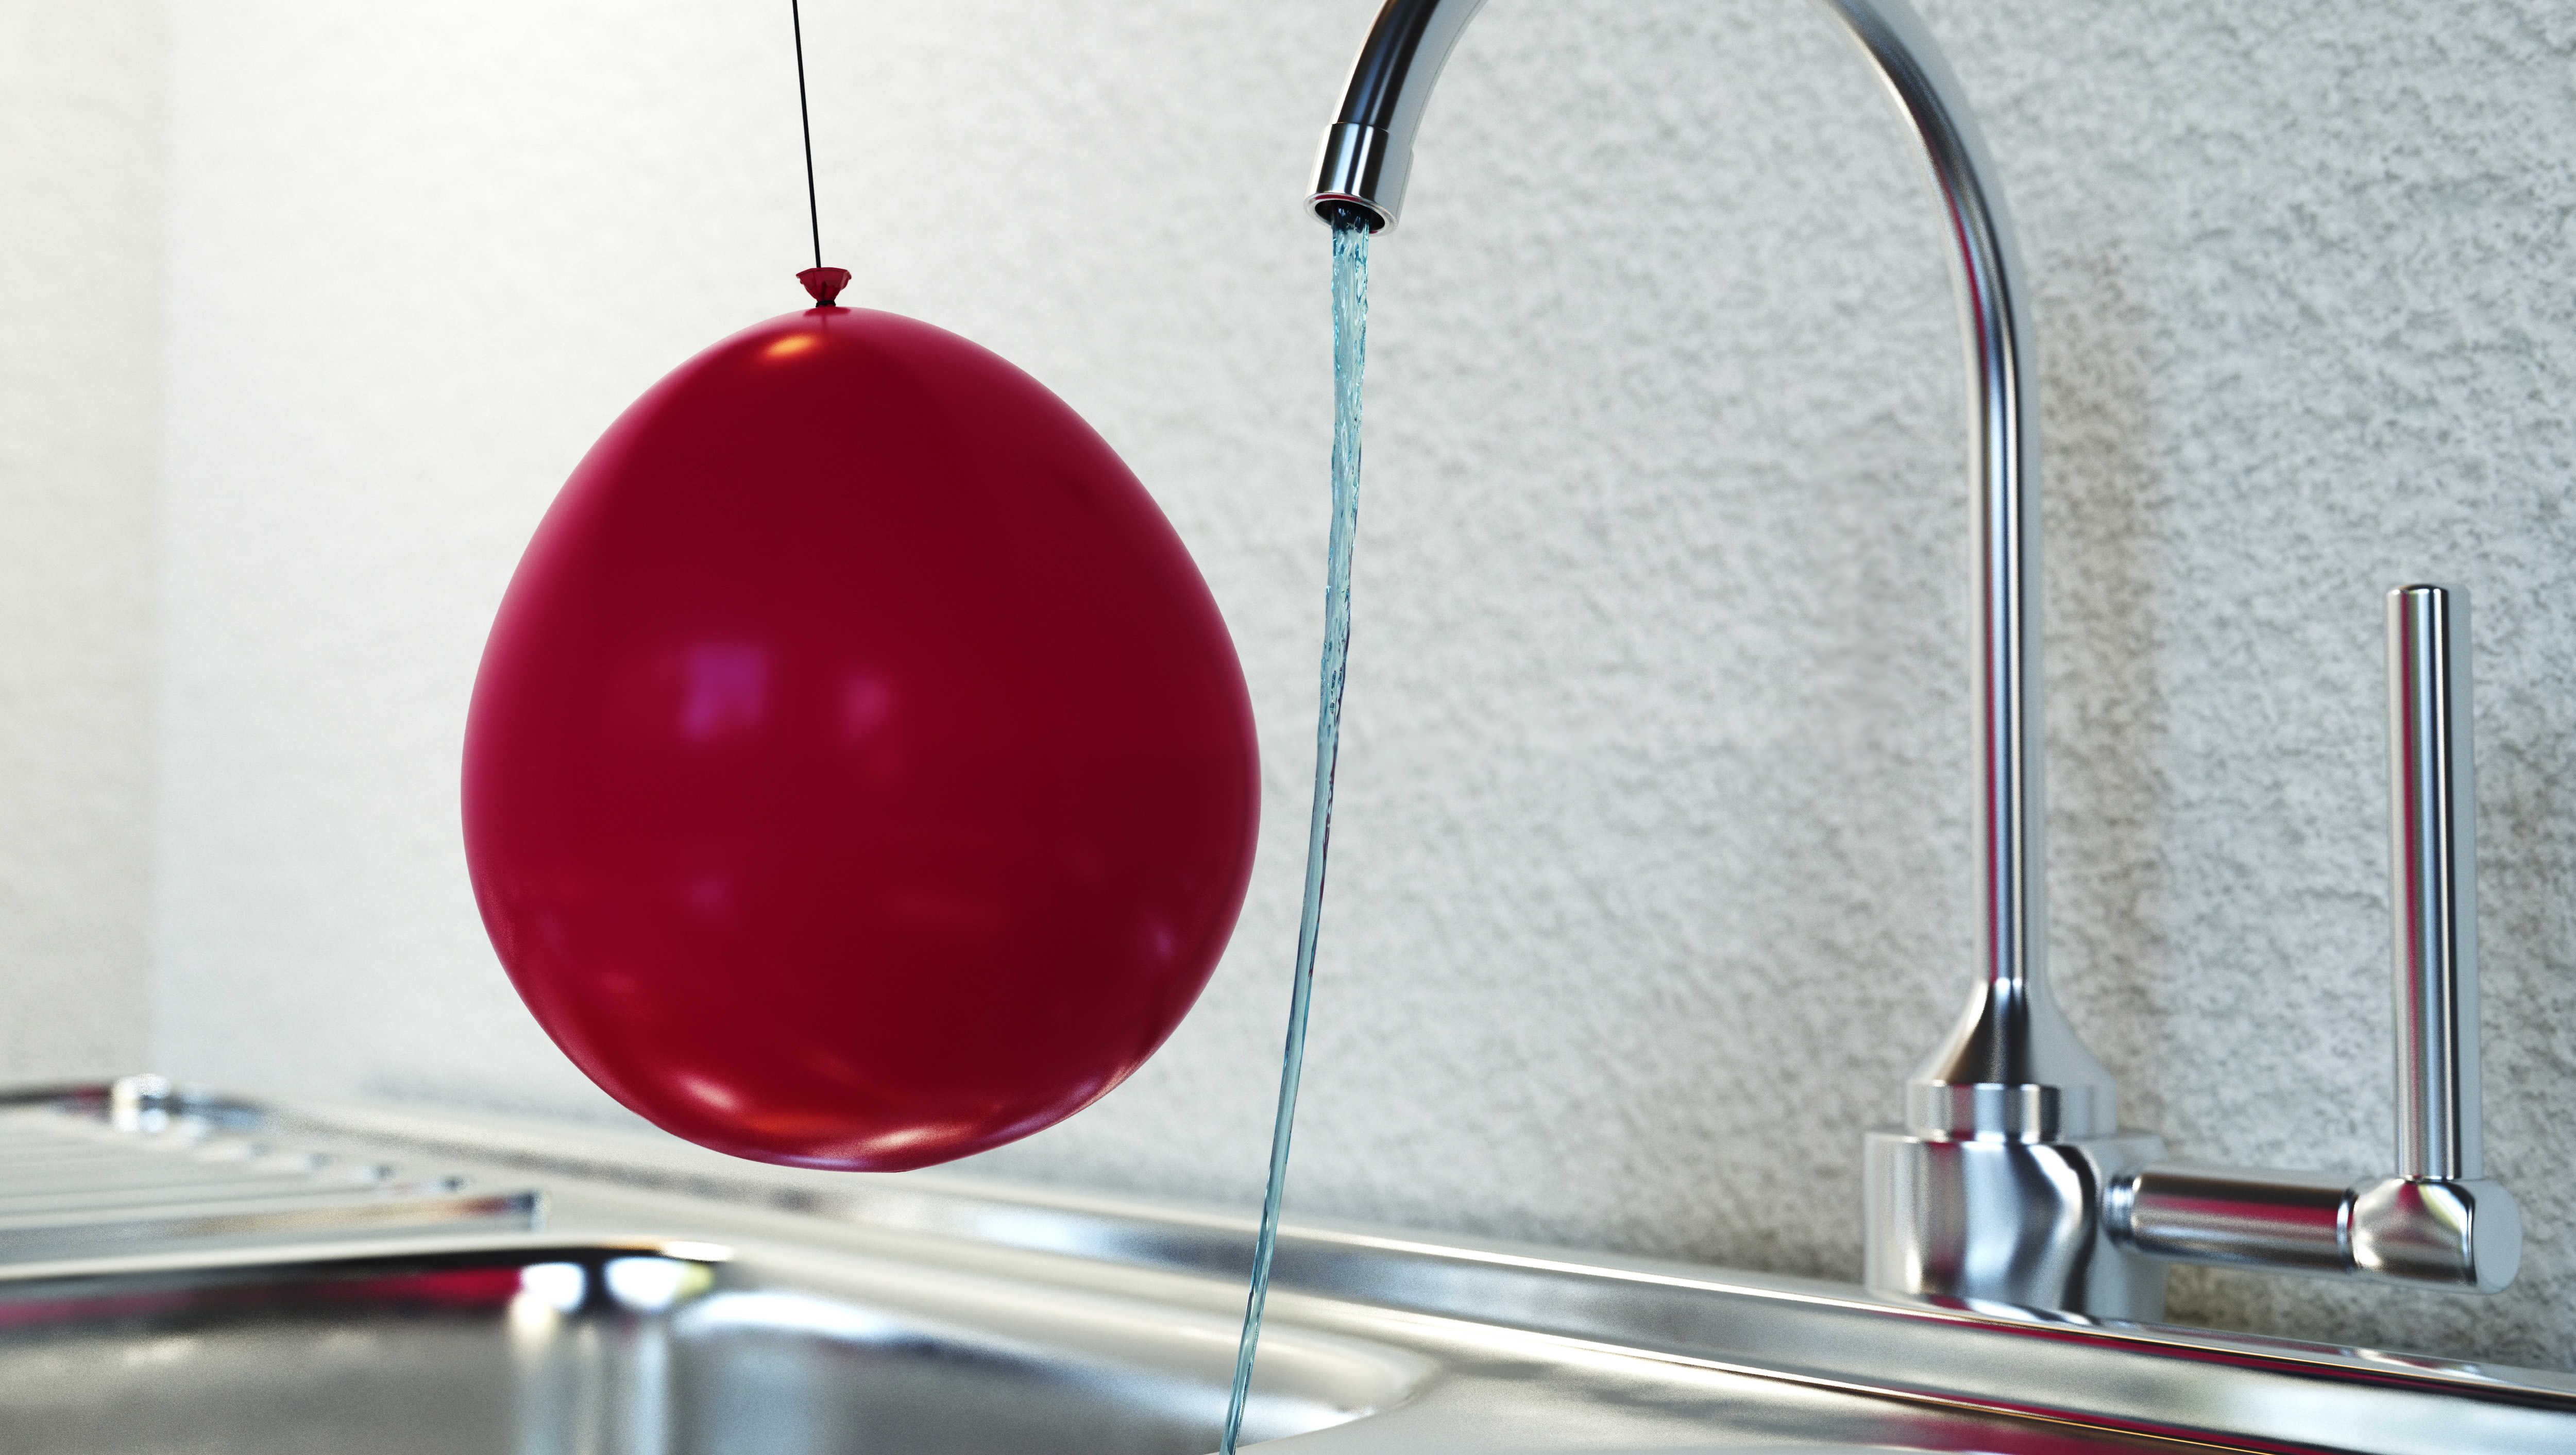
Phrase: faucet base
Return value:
(1991, 1220)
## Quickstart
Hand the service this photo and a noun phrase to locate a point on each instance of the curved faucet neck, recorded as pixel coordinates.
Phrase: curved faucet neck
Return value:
(2013, 1066)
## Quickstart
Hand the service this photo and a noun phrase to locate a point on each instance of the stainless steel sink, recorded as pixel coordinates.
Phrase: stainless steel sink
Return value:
(604, 1347)
(676, 1302)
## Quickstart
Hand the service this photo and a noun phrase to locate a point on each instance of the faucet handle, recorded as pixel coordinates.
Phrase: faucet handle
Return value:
(2433, 885)
(2438, 1221)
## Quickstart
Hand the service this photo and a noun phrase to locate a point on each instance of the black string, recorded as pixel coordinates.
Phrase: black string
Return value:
(813, 209)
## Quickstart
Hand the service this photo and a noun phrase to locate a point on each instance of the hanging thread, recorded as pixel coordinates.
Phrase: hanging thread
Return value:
(805, 120)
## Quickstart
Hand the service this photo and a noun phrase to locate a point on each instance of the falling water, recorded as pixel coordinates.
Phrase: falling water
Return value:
(1350, 355)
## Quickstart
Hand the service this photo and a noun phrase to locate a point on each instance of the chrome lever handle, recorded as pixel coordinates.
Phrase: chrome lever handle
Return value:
(2433, 892)
(2437, 1221)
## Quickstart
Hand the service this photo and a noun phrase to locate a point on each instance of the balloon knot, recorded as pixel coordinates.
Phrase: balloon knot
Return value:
(825, 284)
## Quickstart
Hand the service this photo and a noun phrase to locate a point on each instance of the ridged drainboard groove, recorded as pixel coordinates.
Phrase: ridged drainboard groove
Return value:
(141, 1167)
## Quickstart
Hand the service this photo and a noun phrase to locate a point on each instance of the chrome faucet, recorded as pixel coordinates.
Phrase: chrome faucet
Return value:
(2011, 1180)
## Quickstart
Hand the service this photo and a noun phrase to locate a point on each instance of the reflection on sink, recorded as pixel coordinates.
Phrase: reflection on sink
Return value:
(608, 1350)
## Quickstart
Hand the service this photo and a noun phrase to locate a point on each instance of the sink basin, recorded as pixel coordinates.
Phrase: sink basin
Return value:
(548, 1289)
(625, 1349)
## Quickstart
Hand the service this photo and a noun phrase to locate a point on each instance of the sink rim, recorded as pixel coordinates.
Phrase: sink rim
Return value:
(2157, 1382)
(2149, 1380)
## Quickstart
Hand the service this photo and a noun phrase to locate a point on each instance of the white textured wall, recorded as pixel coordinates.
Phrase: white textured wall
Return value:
(1652, 882)
(80, 375)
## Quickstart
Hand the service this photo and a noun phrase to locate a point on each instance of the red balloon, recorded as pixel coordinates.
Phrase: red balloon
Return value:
(859, 774)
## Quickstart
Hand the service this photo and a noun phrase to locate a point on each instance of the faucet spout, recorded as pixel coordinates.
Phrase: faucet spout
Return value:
(1368, 150)
(1993, 1187)
(2013, 1069)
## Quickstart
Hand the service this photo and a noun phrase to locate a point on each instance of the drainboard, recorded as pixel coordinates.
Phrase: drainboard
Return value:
(78, 1179)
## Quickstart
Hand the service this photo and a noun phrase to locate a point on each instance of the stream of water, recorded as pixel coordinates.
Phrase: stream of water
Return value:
(1350, 355)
